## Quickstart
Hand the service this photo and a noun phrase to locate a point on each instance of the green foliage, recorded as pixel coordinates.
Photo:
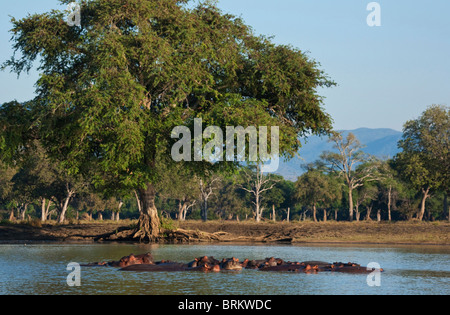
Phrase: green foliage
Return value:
(168, 224)
(111, 90)
(425, 159)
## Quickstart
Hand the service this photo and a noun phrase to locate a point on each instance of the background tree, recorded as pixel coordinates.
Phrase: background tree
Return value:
(425, 158)
(287, 189)
(364, 197)
(6, 185)
(179, 184)
(257, 183)
(207, 185)
(274, 198)
(347, 160)
(230, 200)
(313, 189)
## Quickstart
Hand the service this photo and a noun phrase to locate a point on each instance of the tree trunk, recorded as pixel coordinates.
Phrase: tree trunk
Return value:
(70, 194)
(369, 210)
(446, 208)
(118, 210)
(288, 214)
(23, 210)
(422, 205)
(324, 215)
(43, 211)
(258, 210)
(47, 211)
(357, 214)
(138, 201)
(149, 223)
(379, 215)
(274, 218)
(314, 212)
(182, 211)
(335, 215)
(258, 214)
(11, 216)
(350, 204)
(62, 216)
(389, 202)
(205, 210)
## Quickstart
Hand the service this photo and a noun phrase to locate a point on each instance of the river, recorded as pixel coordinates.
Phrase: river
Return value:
(42, 269)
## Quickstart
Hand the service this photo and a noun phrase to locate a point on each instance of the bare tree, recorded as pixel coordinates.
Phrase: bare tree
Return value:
(183, 208)
(354, 165)
(258, 183)
(206, 190)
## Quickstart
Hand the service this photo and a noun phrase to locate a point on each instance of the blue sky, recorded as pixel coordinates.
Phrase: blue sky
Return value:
(386, 75)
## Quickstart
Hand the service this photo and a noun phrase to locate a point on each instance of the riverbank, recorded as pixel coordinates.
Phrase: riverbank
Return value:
(414, 233)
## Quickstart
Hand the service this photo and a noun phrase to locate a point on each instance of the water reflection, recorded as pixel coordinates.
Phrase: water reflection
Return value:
(41, 269)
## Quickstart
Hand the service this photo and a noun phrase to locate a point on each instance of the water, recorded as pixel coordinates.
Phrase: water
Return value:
(42, 269)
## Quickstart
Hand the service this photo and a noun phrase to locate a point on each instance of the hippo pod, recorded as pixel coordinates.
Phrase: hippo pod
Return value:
(210, 264)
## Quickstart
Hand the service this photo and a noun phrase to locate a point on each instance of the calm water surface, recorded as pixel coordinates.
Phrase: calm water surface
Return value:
(42, 269)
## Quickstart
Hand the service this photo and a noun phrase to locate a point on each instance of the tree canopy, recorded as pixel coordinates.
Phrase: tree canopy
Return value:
(425, 159)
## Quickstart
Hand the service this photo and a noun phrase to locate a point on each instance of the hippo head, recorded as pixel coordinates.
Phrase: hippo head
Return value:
(127, 261)
(271, 262)
(146, 259)
(231, 264)
(204, 259)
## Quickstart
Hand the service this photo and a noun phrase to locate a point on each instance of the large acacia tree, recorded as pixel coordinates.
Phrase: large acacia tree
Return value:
(112, 89)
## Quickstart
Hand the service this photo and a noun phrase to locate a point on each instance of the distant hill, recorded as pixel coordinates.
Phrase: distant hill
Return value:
(379, 142)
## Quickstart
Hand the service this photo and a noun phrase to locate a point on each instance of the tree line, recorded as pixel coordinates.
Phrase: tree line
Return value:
(343, 184)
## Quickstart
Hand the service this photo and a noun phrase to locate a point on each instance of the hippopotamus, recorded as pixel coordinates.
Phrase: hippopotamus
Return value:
(144, 259)
(231, 264)
(202, 261)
